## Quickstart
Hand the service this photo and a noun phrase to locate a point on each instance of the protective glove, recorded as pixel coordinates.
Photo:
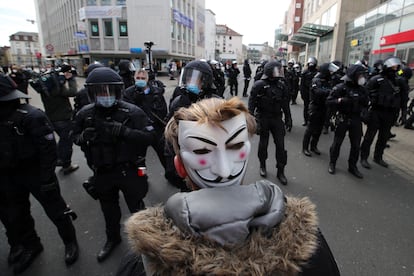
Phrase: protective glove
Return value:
(114, 128)
(88, 134)
(288, 124)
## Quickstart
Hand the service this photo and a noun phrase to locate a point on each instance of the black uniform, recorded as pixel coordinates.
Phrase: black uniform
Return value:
(348, 100)
(388, 94)
(152, 102)
(292, 79)
(269, 100)
(28, 160)
(219, 81)
(305, 86)
(233, 72)
(320, 90)
(247, 73)
(114, 141)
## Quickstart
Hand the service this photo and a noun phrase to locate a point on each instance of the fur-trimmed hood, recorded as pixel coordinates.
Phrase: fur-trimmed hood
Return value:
(169, 252)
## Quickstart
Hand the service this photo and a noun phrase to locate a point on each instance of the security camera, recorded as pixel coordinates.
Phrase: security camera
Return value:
(149, 44)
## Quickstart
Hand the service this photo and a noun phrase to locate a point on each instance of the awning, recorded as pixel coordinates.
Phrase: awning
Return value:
(308, 33)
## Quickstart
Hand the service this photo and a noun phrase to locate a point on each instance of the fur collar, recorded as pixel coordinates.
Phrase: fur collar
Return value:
(289, 246)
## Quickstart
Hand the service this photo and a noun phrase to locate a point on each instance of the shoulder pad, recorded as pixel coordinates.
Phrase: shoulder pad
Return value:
(22, 111)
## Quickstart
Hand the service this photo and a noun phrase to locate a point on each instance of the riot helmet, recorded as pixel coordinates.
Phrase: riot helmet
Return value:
(406, 72)
(92, 67)
(214, 64)
(312, 62)
(104, 87)
(196, 77)
(291, 62)
(392, 63)
(378, 64)
(296, 67)
(272, 70)
(8, 90)
(355, 74)
(126, 67)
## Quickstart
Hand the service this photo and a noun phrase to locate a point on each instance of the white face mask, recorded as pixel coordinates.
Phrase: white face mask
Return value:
(212, 156)
(361, 81)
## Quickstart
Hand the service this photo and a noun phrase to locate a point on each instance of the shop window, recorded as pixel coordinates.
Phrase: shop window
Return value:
(410, 58)
(91, 2)
(105, 2)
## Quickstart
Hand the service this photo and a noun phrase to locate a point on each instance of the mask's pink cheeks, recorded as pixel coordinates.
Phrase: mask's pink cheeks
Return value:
(242, 155)
(202, 162)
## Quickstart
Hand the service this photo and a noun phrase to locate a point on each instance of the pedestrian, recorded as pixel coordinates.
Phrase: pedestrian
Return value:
(305, 86)
(172, 68)
(56, 88)
(320, 90)
(247, 74)
(114, 136)
(27, 166)
(269, 100)
(233, 73)
(151, 100)
(196, 83)
(388, 95)
(211, 230)
(348, 100)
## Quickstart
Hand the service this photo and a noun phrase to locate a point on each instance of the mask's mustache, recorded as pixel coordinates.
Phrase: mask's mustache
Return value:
(219, 178)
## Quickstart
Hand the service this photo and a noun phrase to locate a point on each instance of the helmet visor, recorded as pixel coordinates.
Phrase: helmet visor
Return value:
(104, 92)
(333, 68)
(393, 63)
(191, 76)
(278, 72)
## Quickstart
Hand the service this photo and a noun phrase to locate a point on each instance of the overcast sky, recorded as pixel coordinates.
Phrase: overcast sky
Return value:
(255, 20)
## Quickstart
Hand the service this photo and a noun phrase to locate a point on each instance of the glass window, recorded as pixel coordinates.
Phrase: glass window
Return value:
(298, 5)
(121, 2)
(91, 2)
(105, 2)
(297, 18)
(94, 28)
(401, 54)
(123, 28)
(410, 58)
(108, 28)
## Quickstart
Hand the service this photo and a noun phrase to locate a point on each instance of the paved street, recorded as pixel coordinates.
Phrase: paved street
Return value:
(368, 223)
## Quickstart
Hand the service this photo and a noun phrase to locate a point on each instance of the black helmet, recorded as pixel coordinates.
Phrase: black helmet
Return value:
(104, 86)
(354, 72)
(312, 61)
(195, 73)
(126, 67)
(92, 67)
(406, 72)
(273, 69)
(392, 63)
(8, 90)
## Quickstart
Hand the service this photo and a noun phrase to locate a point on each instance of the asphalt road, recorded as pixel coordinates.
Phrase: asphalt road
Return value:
(368, 223)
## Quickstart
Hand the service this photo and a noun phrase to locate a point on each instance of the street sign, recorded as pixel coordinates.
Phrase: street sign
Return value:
(50, 48)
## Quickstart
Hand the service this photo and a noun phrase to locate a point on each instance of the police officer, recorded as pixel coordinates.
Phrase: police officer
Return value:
(27, 166)
(292, 78)
(152, 102)
(320, 90)
(233, 73)
(348, 100)
(196, 83)
(305, 86)
(218, 77)
(126, 71)
(269, 99)
(388, 94)
(247, 74)
(114, 136)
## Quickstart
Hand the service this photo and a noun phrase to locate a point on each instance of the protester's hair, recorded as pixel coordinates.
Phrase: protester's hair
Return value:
(212, 111)
(141, 71)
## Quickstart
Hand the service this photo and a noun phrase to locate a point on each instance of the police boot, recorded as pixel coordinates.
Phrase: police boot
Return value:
(69, 169)
(381, 162)
(107, 249)
(71, 252)
(263, 172)
(26, 258)
(365, 164)
(354, 171)
(281, 175)
(331, 168)
(315, 150)
(15, 253)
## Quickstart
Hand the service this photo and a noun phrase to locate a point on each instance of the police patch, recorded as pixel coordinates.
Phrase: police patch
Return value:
(49, 137)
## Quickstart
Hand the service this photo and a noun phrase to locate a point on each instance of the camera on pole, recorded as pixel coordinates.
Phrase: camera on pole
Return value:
(148, 51)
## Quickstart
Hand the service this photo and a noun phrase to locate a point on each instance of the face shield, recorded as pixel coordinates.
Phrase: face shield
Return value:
(393, 63)
(105, 94)
(333, 68)
(191, 79)
(132, 67)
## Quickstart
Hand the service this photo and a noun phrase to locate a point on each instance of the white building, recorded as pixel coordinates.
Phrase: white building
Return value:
(229, 44)
(24, 48)
(84, 31)
(210, 46)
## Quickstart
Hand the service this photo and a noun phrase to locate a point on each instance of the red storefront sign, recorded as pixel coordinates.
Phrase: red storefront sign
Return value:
(397, 38)
(381, 51)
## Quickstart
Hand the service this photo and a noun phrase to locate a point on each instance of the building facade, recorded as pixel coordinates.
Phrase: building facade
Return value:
(382, 31)
(229, 44)
(84, 31)
(24, 49)
(210, 46)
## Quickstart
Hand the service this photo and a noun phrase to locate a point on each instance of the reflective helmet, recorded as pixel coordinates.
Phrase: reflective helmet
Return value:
(392, 63)
(92, 67)
(291, 61)
(354, 72)
(125, 67)
(8, 90)
(196, 76)
(312, 61)
(296, 67)
(104, 87)
(378, 64)
(273, 69)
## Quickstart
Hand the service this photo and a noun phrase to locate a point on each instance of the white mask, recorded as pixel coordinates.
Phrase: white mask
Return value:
(212, 156)
(361, 81)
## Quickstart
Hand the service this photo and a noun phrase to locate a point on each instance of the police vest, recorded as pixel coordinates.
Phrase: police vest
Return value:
(385, 93)
(270, 97)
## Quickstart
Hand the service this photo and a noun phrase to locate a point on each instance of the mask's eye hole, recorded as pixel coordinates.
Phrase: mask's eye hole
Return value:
(236, 146)
(201, 151)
